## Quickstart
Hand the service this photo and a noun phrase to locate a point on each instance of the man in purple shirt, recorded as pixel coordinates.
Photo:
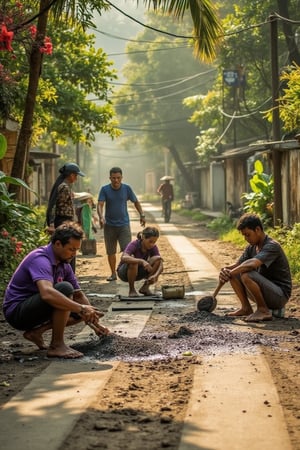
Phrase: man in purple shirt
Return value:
(43, 294)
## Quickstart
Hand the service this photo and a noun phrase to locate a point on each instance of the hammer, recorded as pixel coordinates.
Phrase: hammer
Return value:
(209, 302)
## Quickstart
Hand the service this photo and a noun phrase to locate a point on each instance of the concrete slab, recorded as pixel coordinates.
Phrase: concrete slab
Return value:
(124, 298)
(132, 306)
(234, 405)
(44, 413)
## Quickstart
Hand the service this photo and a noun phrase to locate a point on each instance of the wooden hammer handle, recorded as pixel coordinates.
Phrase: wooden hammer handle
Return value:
(220, 284)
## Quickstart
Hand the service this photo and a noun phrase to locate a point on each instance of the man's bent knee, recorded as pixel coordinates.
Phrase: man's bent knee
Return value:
(65, 288)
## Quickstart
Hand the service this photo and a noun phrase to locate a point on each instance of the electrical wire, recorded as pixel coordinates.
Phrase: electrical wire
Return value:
(165, 81)
(226, 129)
(148, 26)
(160, 88)
(244, 116)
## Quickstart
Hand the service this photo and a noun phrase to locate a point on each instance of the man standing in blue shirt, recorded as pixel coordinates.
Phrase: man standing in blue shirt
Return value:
(115, 221)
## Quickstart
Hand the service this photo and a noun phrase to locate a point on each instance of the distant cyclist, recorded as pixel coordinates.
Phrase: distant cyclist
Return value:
(167, 196)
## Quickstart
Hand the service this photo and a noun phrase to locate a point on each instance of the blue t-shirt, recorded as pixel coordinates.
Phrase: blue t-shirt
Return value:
(116, 213)
(40, 264)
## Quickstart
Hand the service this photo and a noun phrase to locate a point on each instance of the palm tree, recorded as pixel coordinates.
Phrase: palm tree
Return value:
(207, 29)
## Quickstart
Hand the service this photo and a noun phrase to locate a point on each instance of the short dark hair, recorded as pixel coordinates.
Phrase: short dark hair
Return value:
(66, 231)
(115, 170)
(249, 220)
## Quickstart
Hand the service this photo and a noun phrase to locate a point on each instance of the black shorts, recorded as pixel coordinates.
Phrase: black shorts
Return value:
(33, 311)
(122, 273)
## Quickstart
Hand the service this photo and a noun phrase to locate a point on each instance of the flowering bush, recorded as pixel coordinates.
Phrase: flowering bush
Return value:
(10, 253)
(18, 36)
(21, 230)
(16, 26)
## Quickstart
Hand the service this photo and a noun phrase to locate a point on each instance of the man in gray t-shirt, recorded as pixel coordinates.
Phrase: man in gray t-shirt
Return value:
(261, 274)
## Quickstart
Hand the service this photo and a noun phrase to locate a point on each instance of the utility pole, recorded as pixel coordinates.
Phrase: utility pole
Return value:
(276, 155)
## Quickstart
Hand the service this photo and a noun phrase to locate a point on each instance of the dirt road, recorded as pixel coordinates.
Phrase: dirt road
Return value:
(145, 402)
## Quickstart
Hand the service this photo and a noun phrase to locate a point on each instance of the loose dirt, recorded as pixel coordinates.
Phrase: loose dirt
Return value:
(144, 404)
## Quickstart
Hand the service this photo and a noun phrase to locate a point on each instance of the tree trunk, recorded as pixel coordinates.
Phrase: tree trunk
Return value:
(187, 177)
(294, 55)
(35, 67)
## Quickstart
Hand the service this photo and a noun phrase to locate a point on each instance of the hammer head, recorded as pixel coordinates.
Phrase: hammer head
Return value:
(207, 303)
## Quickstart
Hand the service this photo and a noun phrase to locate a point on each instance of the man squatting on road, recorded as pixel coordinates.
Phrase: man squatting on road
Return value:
(261, 274)
(44, 294)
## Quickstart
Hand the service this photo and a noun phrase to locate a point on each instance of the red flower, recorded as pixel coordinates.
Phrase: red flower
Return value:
(32, 30)
(6, 38)
(5, 233)
(47, 48)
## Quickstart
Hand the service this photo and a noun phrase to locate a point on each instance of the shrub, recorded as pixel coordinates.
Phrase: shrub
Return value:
(21, 230)
(260, 200)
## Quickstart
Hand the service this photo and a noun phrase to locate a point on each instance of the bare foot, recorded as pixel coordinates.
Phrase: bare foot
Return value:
(145, 292)
(259, 316)
(133, 293)
(63, 351)
(239, 313)
(36, 337)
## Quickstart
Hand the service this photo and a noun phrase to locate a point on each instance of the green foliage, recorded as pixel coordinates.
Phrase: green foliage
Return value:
(235, 237)
(221, 225)
(289, 238)
(230, 115)
(20, 230)
(154, 91)
(290, 99)
(260, 200)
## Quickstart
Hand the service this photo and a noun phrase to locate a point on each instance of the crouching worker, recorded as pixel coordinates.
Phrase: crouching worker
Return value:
(141, 260)
(261, 274)
(43, 294)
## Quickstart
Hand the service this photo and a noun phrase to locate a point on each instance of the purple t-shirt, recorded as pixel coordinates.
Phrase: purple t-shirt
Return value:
(40, 264)
(134, 249)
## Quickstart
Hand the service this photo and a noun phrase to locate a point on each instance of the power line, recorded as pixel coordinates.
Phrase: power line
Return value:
(148, 26)
(165, 81)
(133, 52)
(163, 87)
(135, 41)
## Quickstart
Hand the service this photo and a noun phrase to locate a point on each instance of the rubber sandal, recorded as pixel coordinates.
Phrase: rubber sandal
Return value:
(112, 278)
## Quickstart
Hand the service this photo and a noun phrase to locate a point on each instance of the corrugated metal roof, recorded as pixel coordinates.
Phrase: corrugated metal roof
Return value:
(258, 147)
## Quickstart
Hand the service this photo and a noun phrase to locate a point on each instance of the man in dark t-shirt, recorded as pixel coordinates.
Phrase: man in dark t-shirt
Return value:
(261, 274)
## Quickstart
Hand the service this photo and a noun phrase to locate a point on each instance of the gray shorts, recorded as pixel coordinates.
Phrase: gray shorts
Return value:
(115, 235)
(273, 294)
(33, 311)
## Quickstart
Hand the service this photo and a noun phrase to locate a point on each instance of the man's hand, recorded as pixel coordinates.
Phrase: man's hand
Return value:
(142, 220)
(100, 330)
(101, 222)
(224, 275)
